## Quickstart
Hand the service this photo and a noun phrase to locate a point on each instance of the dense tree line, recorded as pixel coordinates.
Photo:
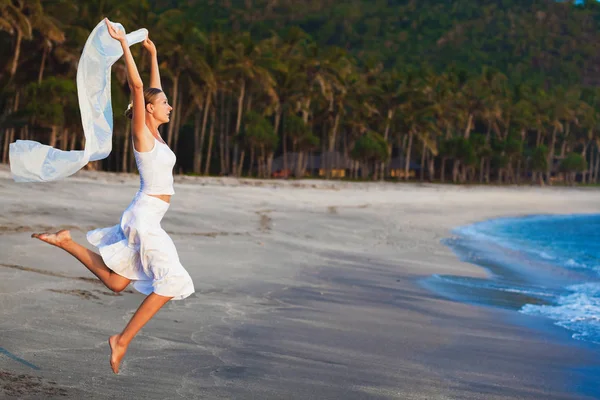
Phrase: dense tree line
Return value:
(467, 91)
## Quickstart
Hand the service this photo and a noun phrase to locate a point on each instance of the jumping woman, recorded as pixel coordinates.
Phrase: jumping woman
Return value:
(138, 250)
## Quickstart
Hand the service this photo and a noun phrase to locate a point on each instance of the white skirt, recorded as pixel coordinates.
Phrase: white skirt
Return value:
(140, 250)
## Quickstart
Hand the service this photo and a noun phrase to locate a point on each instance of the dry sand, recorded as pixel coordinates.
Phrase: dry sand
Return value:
(305, 290)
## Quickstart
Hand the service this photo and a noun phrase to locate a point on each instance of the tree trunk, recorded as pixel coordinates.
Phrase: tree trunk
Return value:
(431, 168)
(179, 119)
(455, 166)
(42, 64)
(469, 126)
(251, 161)
(222, 136)
(284, 143)
(241, 165)
(551, 157)
(591, 164)
(263, 159)
(238, 125)
(481, 169)
(422, 171)
(72, 141)
(407, 156)
(197, 156)
(227, 122)
(597, 165)
(386, 134)
(10, 132)
(269, 164)
(563, 148)
(64, 141)
(306, 157)
(200, 145)
(331, 148)
(210, 141)
(175, 101)
(584, 155)
(53, 136)
(15, 61)
(299, 163)
(443, 169)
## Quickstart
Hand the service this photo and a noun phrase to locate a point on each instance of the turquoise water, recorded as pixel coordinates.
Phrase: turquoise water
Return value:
(538, 265)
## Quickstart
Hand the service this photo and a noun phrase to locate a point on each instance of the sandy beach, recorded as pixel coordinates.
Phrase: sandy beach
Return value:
(305, 290)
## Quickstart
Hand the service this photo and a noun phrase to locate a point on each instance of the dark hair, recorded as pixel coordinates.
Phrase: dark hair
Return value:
(149, 95)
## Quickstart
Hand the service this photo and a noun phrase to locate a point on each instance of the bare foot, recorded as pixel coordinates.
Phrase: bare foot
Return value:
(57, 239)
(117, 352)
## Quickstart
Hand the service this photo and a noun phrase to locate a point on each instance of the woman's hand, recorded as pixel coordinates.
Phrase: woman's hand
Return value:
(149, 45)
(116, 34)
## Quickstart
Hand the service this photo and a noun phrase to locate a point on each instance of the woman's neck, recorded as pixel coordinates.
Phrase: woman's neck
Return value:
(153, 125)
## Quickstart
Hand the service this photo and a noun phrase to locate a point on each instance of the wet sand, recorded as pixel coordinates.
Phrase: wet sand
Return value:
(305, 290)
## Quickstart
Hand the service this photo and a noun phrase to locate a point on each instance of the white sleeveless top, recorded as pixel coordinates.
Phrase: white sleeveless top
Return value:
(156, 169)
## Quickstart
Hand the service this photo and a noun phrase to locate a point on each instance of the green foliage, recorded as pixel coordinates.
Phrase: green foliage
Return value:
(258, 131)
(539, 159)
(300, 133)
(472, 81)
(370, 147)
(460, 149)
(48, 102)
(573, 162)
(542, 41)
(500, 161)
(295, 126)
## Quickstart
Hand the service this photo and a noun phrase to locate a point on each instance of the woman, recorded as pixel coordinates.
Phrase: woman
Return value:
(138, 250)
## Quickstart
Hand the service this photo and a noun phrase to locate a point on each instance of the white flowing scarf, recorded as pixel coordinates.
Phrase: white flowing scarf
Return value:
(35, 162)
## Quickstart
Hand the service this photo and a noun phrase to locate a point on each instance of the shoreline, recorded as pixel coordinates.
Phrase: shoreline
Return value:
(312, 183)
(300, 293)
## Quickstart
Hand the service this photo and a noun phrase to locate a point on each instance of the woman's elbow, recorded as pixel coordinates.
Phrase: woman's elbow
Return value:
(136, 86)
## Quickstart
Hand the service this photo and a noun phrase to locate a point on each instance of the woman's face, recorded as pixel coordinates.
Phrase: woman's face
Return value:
(161, 110)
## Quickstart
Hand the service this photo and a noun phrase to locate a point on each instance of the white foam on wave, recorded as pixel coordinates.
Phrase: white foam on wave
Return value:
(546, 256)
(574, 264)
(578, 311)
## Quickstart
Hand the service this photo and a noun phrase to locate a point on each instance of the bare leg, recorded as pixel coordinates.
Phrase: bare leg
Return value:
(91, 260)
(119, 343)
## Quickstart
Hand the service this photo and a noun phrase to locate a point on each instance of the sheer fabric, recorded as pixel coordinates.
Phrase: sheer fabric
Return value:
(31, 161)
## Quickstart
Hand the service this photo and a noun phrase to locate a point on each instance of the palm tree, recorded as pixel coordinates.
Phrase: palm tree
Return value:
(14, 20)
(337, 70)
(245, 63)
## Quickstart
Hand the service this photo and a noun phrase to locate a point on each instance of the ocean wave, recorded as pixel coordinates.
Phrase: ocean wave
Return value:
(569, 241)
(578, 311)
(563, 251)
(490, 284)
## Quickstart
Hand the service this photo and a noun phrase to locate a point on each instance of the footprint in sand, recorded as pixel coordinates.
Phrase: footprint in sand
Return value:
(84, 294)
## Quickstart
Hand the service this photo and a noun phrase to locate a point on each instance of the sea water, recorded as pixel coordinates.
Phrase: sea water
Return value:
(546, 265)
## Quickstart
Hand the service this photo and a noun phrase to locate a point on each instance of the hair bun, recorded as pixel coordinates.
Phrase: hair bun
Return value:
(129, 111)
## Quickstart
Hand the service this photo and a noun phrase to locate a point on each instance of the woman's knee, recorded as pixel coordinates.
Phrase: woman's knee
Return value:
(119, 284)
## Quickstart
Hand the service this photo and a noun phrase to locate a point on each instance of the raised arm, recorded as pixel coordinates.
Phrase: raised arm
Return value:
(137, 92)
(154, 71)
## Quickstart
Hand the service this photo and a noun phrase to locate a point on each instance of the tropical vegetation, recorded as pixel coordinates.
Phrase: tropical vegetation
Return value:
(464, 91)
